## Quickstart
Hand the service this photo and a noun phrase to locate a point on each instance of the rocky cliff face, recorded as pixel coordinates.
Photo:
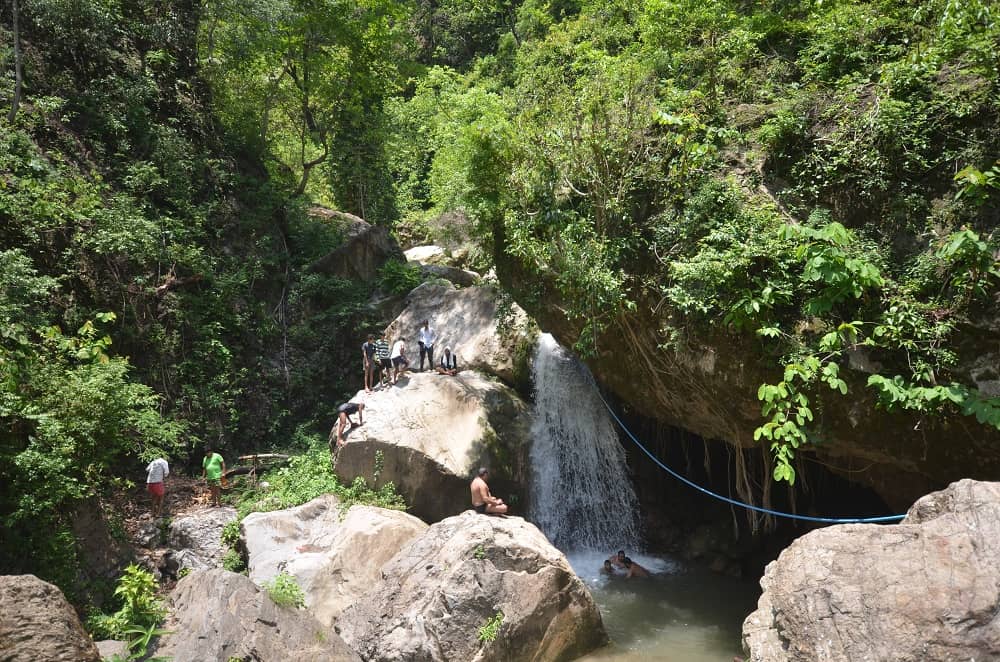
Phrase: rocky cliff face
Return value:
(710, 388)
(925, 589)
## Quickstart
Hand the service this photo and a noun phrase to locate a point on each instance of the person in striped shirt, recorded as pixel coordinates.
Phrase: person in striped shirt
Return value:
(382, 352)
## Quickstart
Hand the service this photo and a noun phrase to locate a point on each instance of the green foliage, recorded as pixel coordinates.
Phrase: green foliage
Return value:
(233, 561)
(285, 591)
(479, 553)
(141, 611)
(308, 476)
(231, 534)
(488, 632)
(398, 277)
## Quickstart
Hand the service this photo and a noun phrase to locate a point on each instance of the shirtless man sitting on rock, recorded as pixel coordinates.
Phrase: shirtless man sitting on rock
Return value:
(483, 502)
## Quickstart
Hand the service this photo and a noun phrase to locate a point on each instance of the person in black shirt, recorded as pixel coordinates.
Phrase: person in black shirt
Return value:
(368, 362)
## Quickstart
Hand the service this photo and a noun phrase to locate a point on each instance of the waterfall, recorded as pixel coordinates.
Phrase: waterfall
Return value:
(582, 497)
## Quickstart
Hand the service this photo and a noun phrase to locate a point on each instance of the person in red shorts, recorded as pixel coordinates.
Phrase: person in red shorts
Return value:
(156, 477)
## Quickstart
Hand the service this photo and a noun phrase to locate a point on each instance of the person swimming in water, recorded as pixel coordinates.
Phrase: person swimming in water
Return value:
(633, 569)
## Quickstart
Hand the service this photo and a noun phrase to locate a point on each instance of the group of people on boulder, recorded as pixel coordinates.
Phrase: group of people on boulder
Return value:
(391, 360)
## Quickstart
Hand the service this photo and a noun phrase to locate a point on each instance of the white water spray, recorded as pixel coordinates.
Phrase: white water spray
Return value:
(582, 497)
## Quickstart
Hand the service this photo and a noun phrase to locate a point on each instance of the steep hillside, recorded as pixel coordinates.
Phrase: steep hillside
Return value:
(771, 225)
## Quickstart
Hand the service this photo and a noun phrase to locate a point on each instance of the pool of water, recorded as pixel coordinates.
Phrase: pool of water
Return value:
(679, 614)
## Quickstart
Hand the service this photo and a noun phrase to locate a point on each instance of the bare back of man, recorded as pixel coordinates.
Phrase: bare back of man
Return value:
(482, 501)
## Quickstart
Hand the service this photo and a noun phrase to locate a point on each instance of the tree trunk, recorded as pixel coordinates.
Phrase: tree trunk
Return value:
(18, 63)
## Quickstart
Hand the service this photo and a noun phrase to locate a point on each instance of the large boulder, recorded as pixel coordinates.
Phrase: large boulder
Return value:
(366, 247)
(217, 616)
(925, 589)
(334, 562)
(430, 433)
(195, 540)
(466, 319)
(37, 623)
(272, 539)
(444, 586)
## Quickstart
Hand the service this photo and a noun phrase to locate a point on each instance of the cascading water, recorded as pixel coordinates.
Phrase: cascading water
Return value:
(581, 493)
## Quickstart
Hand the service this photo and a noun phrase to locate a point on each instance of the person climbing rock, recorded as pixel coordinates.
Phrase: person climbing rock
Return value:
(448, 364)
(425, 339)
(483, 502)
(368, 362)
(399, 361)
(344, 412)
(212, 469)
(156, 476)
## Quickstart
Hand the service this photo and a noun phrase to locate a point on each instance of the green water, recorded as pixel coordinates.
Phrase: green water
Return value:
(678, 614)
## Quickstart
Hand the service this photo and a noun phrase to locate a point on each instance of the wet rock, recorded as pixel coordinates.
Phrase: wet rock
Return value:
(466, 320)
(446, 584)
(195, 540)
(217, 615)
(334, 562)
(925, 589)
(37, 623)
(430, 433)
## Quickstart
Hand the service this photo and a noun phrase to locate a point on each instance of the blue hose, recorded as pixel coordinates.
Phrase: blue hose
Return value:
(734, 502)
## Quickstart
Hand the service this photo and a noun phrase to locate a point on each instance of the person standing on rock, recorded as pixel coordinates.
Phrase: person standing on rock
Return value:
(368, 362)
(426, 339)
(483, 502)
(212, 468)
(399, 360)
(385, 362)
(344, 412)
(156, 476)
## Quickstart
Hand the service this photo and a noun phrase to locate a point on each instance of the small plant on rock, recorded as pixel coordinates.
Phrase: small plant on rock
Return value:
(233, 561)
(285, 591)
(479, 553)
(491, 628)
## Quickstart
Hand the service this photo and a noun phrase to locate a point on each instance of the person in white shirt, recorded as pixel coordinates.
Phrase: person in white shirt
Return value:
(426, 339)
(399, 360)
(156, 476)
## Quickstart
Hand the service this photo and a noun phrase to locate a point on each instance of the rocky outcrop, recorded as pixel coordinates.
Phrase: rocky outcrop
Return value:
(460, 277)
(430, 433)
(367, 539)
(444, 586)
(272, 539)
(333, 561)
(217, 616)
(37, 623)
(195, 540)
(466, 320)
(925, 589)
(365, 248)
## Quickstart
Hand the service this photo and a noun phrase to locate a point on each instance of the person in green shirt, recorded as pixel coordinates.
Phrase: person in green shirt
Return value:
(212, 468)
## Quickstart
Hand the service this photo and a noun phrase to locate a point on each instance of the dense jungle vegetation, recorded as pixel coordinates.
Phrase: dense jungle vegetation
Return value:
(819, 174)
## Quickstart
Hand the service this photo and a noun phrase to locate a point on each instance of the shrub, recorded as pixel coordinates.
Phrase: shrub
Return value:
(285, 591)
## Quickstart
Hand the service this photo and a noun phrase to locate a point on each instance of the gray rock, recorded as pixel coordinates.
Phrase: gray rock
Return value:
(466, 320)
(273, 539)
(37, 623)
(366, 247)
(460, 277)
(925, 589)
(432, 432)
(217, 615)
(445, 585)
(110, 649)
(426, 255)
(195, 540)
(333, 561)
